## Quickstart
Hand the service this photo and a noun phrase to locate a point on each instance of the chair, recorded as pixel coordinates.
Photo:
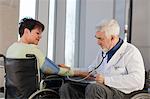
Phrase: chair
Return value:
(22, 79)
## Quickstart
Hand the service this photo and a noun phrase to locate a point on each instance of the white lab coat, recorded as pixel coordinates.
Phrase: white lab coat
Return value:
(124, 71)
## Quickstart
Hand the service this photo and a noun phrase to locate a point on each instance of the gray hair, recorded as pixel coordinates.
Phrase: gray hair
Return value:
(110, 27)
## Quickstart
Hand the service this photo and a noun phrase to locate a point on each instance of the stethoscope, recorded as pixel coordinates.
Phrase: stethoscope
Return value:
(103, 57)
(90, 72)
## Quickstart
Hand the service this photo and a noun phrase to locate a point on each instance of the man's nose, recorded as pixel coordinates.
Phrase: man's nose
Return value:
(99, 42)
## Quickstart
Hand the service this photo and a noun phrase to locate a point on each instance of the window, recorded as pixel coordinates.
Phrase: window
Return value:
(51, 29)
(27, 8)
(62, 31)
(70, 32)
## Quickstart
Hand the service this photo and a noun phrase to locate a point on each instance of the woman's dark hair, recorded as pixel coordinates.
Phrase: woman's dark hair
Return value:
(30, 24)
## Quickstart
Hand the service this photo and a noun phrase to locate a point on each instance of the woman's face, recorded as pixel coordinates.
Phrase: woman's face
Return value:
(35, 36)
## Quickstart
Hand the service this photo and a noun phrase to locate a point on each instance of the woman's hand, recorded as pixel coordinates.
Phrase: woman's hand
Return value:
(64, 66)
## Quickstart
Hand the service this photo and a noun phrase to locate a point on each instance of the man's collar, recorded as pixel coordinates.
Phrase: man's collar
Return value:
(114, 49)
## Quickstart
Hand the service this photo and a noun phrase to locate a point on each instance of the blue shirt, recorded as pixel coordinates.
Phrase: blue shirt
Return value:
(114, 49)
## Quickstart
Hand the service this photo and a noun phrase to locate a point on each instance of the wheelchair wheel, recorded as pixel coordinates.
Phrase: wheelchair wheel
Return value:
(141, 96)
(45, 94)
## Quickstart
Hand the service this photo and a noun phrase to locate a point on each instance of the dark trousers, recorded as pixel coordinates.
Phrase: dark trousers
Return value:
(88, 91)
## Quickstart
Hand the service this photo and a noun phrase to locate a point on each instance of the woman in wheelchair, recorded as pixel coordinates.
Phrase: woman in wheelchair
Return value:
(30, 32)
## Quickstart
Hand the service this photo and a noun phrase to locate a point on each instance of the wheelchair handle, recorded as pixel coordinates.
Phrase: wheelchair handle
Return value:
(30, 55)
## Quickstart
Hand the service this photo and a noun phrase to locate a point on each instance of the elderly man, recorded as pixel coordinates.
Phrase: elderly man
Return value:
(117, 70)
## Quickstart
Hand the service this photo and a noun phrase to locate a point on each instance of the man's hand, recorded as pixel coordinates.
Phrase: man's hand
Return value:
(83, 74)
(99, 79)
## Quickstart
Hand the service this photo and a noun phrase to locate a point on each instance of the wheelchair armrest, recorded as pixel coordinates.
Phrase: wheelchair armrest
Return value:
(54, 76)
(52, 82)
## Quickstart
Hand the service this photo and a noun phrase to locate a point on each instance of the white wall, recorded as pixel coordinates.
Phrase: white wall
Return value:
(120, 14)
(95, 11)
(141, 28)
(9, 13)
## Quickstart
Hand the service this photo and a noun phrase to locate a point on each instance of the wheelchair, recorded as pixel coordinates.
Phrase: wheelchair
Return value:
(23, 79)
